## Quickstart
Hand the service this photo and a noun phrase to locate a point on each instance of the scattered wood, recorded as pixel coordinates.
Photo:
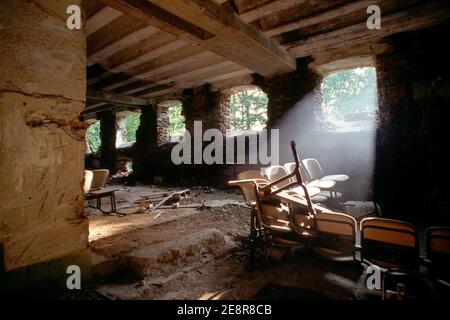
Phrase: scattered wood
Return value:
(177, 196)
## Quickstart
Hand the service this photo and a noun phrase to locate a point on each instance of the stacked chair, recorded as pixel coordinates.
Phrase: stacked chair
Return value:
(284, 216)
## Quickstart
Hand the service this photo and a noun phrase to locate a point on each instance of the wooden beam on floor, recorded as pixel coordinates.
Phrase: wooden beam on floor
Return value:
(421, 16)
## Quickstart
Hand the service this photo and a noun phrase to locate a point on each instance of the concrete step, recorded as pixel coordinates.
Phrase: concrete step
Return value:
(172, 256)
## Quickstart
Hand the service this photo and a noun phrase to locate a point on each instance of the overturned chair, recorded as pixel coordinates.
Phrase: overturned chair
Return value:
(283, 215)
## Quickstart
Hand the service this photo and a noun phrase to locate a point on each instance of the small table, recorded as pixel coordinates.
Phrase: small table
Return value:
(102, 193)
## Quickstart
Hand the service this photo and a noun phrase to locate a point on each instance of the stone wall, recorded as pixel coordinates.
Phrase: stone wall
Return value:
(211, 107)
(42, 92)
(145, 147)
(162, 123)
(412, 142)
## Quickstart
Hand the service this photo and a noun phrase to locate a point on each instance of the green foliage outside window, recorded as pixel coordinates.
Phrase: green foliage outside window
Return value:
(350, 92)
(249, 110)
(93, 136)
(176, 120)
(132, 124)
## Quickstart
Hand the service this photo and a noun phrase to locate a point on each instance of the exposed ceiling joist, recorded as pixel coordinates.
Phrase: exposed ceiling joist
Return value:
(267, 9)
(322, 17)
(116, 99)
(232, 38)
(421, 16)
(101, 18)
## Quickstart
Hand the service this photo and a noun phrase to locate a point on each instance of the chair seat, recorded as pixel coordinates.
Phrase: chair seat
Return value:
(322, 184)
(312, 191)
(336, 177)
(319, 198)
(359, 209)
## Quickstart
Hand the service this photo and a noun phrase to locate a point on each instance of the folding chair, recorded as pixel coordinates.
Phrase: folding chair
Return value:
(273, 219)
(321, 184)
(336, 236)
(389, 244)
(438, 253)
(275, 173)
(315, 171)
(415, 285)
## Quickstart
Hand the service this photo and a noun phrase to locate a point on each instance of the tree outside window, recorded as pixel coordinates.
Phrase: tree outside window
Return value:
(249, 110)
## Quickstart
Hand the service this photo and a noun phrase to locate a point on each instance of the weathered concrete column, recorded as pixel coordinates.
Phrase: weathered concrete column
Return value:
(146, 143)
(42, 91)
(108, 132)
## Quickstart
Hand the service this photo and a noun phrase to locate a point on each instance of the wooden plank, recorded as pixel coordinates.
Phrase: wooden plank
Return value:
(269, 8)
(218, 77)
(161, 63)
(201, 60)
(422, 16)
(121, 43)
(162, 93)
(117, 99)
(112, 32)
(101, 19)
(141, 51)
(322, 17)
(133, 8)
(232, 36)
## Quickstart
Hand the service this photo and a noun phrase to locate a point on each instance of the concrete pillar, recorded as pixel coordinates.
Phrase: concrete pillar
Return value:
(42, 92)
(144, 148)
(108, 132)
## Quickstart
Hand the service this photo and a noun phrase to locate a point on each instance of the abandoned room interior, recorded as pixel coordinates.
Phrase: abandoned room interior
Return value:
(224, 149)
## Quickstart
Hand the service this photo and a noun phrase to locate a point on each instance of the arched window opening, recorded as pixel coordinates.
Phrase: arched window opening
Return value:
(248, 109)
(176, 121)
(93, 136)
(127, 125)
(350, 99)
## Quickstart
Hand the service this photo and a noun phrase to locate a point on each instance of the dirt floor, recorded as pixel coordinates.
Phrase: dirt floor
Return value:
(302, 275)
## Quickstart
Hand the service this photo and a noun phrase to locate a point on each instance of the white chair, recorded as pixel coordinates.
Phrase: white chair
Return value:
(277, 172)
(316, 173)
(321, 184)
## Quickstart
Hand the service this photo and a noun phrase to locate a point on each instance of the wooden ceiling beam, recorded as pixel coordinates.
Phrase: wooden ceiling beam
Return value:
(112, 98)
(421, 16)
(229, 37)
(269, 8)
(322, 17)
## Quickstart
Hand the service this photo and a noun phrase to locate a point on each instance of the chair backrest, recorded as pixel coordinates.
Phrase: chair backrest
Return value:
(276, 172)
(438, 250)
(313, 168)
(99, 178)
(336, 234)
(389, 243)
(88, 175)
(290, 167)
(248, 190)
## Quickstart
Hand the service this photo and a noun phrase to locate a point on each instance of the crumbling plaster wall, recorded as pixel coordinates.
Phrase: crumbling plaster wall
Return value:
(42, 92)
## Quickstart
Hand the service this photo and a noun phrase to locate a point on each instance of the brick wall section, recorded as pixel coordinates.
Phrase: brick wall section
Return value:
(412, 146)
(212, 108)
(162, 123)
(286, 90)
(145, 146)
